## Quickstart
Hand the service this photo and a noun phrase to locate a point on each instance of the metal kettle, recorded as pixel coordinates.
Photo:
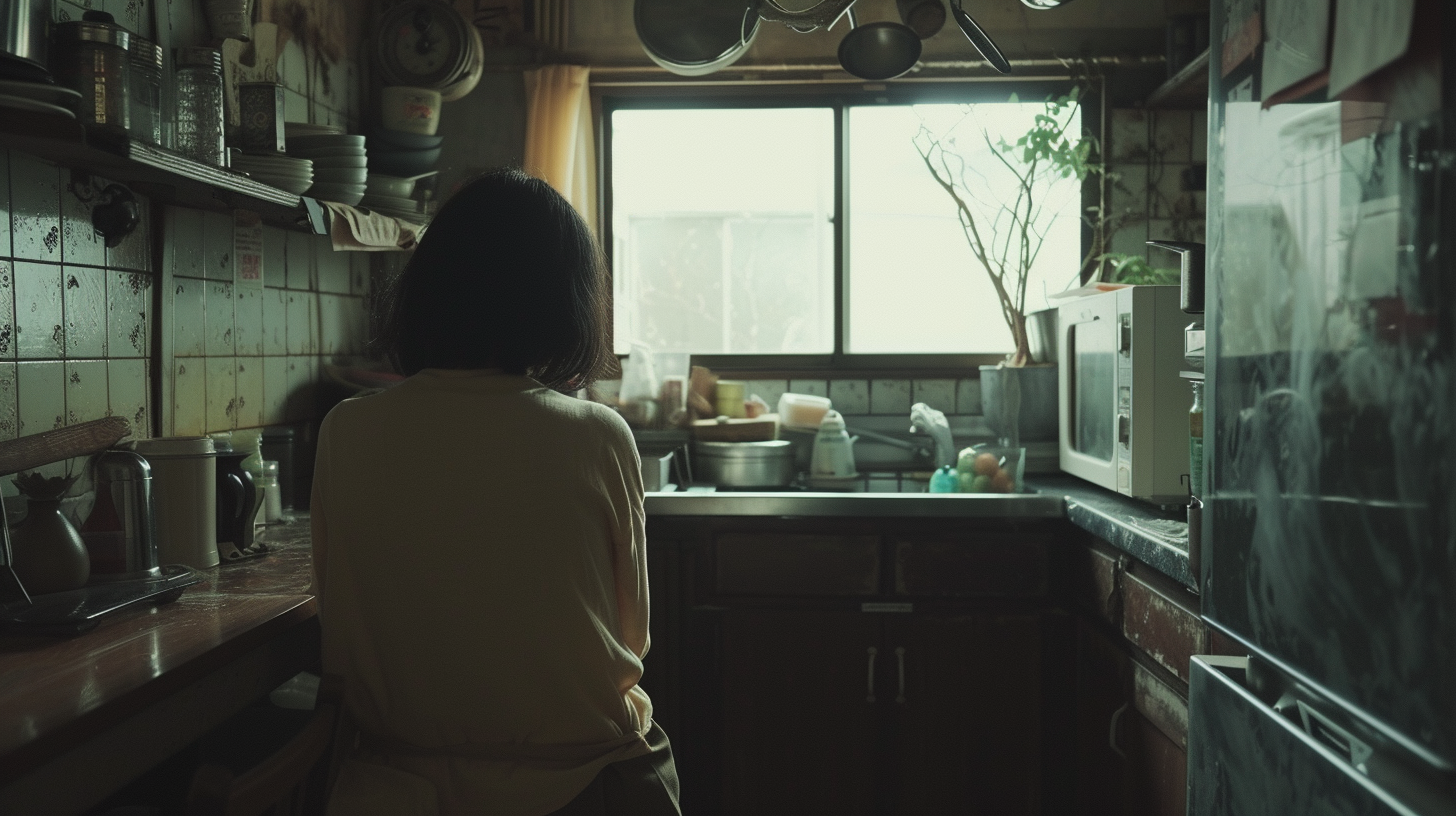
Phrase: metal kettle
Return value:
(120, 533)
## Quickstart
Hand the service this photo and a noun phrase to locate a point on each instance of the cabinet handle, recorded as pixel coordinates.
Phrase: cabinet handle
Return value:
(1112, 730)
(900, 656)
(871, 682)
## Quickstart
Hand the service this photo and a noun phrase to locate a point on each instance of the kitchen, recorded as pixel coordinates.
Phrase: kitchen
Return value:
(1050, 634)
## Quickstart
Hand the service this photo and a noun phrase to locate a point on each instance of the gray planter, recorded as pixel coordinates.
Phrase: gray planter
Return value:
(1020, 404)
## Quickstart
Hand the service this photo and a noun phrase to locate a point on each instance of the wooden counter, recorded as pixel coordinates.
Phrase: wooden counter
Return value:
(80, 717)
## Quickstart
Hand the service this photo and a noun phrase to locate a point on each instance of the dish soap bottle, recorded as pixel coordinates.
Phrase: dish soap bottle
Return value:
(945, 480)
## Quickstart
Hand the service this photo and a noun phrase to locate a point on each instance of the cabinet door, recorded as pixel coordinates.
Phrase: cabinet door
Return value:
(798, 724)
(968, 727)
(1104, 706)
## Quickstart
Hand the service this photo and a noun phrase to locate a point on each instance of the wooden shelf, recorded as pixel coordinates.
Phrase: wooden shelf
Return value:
(1186, 89)
(160, 174)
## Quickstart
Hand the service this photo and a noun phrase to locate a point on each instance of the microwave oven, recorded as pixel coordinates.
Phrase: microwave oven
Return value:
(1123, 408)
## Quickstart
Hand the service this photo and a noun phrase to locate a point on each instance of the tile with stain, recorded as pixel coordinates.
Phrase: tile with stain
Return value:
(189, 317)
(299, 248)
(5, 203)
(275, 257)
(7, 309)
(39, 330)
(221, 327)
(301, 370)
(84, 301)
(1172, 135)
(87, 392)
(819, 388)
(135, 250)
(275, 321)
(9, 407)
(35, 208)
(1128, 134)
(217, 247)
(128, 383)
(252, 402)
(938, 394)
(248, 320)
(129, 306)
(222, 393)
(81, 244)
(303, 331)
(769, 391)
(189, 398)
(183, 237)
(850, 397)
(360, 273)
(333, 271)
(41, 396)
(334, 324)
(890, 397)
(275, 390)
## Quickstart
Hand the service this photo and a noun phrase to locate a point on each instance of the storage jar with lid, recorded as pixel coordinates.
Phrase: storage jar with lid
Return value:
(198, 86)
(145, 106)
(184, 490)
(91, 59)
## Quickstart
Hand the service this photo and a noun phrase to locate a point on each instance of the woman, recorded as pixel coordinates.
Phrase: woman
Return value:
(478, 536)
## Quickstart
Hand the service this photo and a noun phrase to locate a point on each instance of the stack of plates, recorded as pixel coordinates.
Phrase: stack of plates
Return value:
(397, 153)
(291, 174)
(38, 97)
(340, 164)
(293, 129)
(396, 206)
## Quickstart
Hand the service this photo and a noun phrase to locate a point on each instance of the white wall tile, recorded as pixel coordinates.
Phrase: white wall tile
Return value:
(189, 317)
(220, 325)
(275, 255)
(300, 388)
(35, 208)
(41, 392)
(40, 333)
(217, 246)
(87, 393)
(361, 277)
(275, 321)
(81, 244)
(968, 396)
(850, 397)
(938, 394)
(333, 271)
(5, 203)
(189, 398)
(769, 390)
(128, 318)
(84, 300)
(129, 386)
(9, 406)
(183, 237)
(222, 393)
(300, 261)
(1128, 135)
(818, 388)
(7, 308)
(890, 397)
(248, 318)
(252, 401)
(275, 390)
(334, 324)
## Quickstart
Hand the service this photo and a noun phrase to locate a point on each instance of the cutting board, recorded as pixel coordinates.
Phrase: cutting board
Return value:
(759, 429)
(82, 439)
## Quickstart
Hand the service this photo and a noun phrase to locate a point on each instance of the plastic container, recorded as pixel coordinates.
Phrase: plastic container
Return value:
(803, 411)
(991, 469)
(184, 492)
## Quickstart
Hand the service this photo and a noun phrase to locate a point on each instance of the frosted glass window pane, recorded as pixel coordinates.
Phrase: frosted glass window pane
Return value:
(913, 284)
(722, 222)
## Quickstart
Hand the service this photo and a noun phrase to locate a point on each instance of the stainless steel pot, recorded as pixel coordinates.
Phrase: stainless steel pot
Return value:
(695, 37)
(23, 32)
(745, 464)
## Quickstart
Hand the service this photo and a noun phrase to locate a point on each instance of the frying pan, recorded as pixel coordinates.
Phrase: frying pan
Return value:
(695, 37)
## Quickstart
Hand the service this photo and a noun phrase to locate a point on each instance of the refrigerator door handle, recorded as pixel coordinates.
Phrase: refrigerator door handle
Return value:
(1112, 730)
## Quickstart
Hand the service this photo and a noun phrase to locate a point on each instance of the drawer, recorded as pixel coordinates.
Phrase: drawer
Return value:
(796, 564)
(981, 565)
(1169, 632)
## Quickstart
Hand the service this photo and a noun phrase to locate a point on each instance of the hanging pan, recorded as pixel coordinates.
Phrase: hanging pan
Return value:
(695, 37)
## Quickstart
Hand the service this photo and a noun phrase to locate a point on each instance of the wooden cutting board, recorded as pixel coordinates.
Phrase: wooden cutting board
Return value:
(84, 439)
(759, 429)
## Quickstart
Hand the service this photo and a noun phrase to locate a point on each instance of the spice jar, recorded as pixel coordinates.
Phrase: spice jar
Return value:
(91, 59)
(199, 125)
(1195, 441)
(145, 98)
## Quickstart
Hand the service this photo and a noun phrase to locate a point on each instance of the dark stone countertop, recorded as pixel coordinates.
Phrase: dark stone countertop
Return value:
(1147, 532)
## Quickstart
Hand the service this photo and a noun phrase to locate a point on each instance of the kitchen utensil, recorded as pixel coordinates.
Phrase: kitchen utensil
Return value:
(475, 69)
(23, 31)
(744, 464)
(34, 105)
(877, 51)
(46, 551)
(184, 489)
(40, 92)
(759, 429)
(924, 17)
(91, 58)
(381, 184)
(410, 109)
(833, 449)
(83, 439)
(695, 37)
(120, 533)
(980, 39)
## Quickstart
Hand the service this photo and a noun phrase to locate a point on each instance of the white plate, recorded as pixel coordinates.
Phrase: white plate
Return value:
(22, 103)
(39, 91)
(307, 129)
(290, 185)
(327, 152)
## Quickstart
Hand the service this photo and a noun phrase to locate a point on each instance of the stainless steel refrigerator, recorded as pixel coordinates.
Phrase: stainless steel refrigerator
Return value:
(1329, 521)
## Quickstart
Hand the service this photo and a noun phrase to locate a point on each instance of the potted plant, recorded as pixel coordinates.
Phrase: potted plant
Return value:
(1006, 233)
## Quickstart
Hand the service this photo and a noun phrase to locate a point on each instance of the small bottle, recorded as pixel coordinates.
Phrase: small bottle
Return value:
(945, 480)
(272, 497)
(1195, 441)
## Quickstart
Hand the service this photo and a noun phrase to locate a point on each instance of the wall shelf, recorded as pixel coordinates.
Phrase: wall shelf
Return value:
(1186, 89)
(162, 175)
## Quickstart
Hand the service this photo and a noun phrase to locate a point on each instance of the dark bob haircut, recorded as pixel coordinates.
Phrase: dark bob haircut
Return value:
(506, 276)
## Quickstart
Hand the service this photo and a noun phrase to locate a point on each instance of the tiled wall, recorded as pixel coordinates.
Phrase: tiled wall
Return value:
(889, 395)
(1150, 150)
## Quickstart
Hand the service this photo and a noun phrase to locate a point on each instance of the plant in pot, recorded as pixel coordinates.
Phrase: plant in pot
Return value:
(1008, 193)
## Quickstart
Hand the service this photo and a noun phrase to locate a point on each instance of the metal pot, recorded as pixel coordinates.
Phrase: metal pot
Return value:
(23, 33)
(695, 37)
(745, 464)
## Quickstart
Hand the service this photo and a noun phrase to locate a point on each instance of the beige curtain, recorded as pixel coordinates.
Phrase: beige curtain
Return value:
(559, 143)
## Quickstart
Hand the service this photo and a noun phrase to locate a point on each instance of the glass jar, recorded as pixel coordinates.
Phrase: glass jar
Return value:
(91, 59)
(199, 108)
(273, 498)
(1195, 441)
(145, 99)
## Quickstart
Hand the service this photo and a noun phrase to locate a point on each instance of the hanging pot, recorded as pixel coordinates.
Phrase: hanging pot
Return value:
(695, 37)
(879, 50)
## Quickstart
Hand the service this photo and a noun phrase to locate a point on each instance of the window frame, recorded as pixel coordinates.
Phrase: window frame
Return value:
(838, 97)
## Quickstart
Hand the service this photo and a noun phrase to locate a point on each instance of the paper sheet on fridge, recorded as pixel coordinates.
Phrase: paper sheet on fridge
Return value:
(1296, 33)
(1368, 36)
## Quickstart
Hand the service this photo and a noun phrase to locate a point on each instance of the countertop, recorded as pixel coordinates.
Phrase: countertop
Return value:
(80, 716)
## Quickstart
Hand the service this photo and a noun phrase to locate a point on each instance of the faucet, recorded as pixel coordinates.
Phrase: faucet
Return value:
(924, 419)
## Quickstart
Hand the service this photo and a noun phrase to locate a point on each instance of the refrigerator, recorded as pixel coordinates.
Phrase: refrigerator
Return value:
(1329, 518)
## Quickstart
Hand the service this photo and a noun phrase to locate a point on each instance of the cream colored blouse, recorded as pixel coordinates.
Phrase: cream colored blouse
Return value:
(481, 574)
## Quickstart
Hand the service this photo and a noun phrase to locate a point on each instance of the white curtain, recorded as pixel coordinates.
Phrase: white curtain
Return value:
(560, 146)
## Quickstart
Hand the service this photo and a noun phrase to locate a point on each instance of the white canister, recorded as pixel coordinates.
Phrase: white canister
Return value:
(184, 491)
(833, 449)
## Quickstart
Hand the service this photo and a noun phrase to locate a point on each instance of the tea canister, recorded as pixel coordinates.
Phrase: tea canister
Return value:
(91, 58)
(199, 116)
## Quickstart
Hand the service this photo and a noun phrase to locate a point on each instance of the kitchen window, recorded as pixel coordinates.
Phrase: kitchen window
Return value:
(810, 228)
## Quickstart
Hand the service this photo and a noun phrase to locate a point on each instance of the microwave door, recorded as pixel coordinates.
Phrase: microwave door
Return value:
(1089, 390)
